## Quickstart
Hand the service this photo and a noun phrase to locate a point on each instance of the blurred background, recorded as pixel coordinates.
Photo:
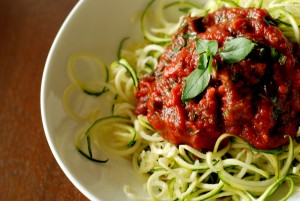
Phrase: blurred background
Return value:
(28, 170)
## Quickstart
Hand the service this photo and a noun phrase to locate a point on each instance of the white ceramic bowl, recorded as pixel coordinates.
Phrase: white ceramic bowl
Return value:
(95, 26)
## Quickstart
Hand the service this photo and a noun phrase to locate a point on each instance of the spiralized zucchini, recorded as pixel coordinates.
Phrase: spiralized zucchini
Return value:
(234, 172)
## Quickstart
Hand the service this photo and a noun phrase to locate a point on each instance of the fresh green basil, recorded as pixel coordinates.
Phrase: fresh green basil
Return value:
(208, 46)
(196, 82)
(237, 49)
(212, 47)
(210, 66)
(203, 61)
(233, 51)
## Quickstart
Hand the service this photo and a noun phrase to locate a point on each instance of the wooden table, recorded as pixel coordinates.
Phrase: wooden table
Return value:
(28, 170)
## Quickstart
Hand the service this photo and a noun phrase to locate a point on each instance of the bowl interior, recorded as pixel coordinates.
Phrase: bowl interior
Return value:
(96, 27)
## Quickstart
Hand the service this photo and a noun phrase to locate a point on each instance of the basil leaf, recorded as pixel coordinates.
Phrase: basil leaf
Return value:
(233, 51)
(213, 47)
(210, 67)
(203, 60)
(201, 46)
(196, 82)
(236, 50)
(208, 46)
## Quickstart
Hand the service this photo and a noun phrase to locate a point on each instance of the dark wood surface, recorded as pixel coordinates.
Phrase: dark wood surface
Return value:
(28, 170)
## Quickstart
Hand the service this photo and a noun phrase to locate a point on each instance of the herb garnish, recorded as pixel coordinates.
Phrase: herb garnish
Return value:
(234, 50)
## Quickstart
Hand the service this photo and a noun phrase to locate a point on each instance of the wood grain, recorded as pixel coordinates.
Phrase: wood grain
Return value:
(28, 170)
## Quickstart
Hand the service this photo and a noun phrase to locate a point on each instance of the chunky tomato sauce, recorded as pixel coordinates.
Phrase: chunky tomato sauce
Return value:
(257, 99)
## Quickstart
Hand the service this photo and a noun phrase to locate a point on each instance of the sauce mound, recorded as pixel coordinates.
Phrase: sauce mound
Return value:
(257, 99)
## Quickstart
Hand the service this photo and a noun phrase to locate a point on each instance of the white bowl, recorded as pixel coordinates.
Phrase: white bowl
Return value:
(93, 26)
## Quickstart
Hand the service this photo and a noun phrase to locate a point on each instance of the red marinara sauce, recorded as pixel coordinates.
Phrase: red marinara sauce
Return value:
(257, 99)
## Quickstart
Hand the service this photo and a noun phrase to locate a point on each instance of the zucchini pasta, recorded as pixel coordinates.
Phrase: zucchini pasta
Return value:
(232, 170)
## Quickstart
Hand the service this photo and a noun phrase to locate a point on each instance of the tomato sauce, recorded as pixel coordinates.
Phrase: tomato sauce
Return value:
(257, 99)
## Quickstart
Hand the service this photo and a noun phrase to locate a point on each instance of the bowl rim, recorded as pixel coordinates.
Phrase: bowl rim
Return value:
(43, 93)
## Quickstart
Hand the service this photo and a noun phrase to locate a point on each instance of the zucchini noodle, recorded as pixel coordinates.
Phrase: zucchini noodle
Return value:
(234, 172)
